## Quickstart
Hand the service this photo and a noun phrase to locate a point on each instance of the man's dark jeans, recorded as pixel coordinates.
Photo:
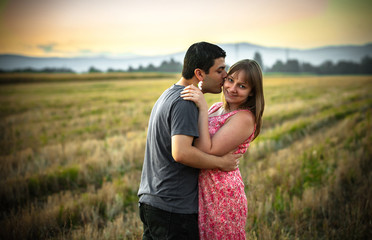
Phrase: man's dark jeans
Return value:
(160, 224)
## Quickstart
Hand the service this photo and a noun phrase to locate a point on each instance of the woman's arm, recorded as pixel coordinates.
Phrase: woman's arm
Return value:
(234, 132)
(185, 153)
(192, 93)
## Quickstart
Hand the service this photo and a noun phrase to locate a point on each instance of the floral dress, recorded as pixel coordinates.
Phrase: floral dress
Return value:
(222, 200)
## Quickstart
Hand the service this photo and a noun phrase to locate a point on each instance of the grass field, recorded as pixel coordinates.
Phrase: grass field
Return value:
(71, 154)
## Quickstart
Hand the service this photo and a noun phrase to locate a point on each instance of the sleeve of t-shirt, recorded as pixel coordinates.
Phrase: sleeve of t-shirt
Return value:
(184, 119)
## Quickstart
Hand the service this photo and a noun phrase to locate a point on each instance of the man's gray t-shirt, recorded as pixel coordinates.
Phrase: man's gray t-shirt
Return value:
(166, 184)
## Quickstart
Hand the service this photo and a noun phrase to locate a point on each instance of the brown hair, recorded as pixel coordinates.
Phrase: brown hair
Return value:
(255, 101)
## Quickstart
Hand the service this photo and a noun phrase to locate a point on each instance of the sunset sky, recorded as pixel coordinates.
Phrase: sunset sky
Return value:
(117, 28)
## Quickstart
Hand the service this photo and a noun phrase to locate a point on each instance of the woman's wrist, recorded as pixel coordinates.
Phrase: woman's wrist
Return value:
(203, 108)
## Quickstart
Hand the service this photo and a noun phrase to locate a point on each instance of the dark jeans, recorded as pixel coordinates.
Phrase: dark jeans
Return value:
(160, 224)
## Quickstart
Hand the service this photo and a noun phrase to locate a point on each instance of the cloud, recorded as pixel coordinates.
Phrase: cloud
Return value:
(90, 52)
(47, 48)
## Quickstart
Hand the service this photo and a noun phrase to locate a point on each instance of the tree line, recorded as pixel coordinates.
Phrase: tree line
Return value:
(165, 66)
(43, 70)
(326, 68)
(290, 66)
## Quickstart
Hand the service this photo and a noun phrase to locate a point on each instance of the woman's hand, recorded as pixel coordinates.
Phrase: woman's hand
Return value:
(192, 93)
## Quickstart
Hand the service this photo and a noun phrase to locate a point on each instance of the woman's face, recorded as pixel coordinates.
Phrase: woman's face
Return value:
(236, 89)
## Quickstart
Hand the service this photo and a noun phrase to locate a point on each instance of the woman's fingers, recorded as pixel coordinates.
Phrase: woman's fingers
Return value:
(189, 92)
(192, 87)
(188, 95)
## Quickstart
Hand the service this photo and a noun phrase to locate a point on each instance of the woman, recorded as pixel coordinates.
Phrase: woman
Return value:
(228, 125)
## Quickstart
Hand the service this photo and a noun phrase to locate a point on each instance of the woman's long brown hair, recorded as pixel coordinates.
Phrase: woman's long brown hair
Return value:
(256, 101)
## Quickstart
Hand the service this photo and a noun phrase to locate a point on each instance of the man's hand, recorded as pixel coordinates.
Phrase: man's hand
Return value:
(230, 161)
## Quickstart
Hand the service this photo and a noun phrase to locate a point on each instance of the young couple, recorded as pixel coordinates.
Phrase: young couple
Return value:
(191, 186)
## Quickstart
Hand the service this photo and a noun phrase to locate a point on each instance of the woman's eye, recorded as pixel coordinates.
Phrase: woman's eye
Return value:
(229, 79)
(242, 86)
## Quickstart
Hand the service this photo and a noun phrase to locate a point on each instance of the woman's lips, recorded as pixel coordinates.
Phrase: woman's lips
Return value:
(229, 94)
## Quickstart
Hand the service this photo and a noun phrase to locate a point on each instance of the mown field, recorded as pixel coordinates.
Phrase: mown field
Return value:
(71, 152)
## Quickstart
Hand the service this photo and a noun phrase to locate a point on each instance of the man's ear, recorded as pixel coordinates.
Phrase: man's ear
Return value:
(199, 74)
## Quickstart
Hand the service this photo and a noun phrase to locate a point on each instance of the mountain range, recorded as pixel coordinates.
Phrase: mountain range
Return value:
(234, 51)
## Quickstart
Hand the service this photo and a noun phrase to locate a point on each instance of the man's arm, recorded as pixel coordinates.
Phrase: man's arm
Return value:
(183, 152)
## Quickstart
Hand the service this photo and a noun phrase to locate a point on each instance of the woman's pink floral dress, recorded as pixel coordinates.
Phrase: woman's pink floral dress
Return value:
(222, 200)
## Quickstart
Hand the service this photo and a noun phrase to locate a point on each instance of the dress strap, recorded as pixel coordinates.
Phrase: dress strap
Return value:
(214, 107)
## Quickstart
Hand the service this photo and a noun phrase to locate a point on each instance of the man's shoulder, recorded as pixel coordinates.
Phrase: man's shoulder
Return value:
(185, 105)
(172, 93)
(175, 88)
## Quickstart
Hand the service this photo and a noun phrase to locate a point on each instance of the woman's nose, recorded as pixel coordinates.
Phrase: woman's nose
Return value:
(233, 88)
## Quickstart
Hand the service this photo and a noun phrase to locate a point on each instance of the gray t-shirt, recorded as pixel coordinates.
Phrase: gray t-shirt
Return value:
(166, 184)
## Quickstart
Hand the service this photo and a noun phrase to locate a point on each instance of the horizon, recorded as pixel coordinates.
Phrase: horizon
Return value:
(144, 56)
(43, 28)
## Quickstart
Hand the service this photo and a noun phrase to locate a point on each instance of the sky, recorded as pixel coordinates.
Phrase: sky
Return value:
(121, 28)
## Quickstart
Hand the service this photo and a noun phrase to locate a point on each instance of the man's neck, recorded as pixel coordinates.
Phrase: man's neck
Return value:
(187, 82)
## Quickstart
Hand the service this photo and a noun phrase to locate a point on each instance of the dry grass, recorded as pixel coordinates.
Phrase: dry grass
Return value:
(72, 152)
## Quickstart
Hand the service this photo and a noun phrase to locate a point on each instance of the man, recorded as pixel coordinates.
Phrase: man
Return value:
(168, 192)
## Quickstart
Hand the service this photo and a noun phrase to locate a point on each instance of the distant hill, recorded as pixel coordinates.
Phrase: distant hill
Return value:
(234, 52)
(314, 56)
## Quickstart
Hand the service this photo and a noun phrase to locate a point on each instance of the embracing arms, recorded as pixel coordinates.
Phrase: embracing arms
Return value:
(234, 132)
(183, 152)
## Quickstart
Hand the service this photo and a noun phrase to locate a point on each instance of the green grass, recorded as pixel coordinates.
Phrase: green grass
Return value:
(72, 148)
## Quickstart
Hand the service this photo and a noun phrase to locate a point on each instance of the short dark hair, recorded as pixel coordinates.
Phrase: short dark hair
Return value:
(200, 55)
